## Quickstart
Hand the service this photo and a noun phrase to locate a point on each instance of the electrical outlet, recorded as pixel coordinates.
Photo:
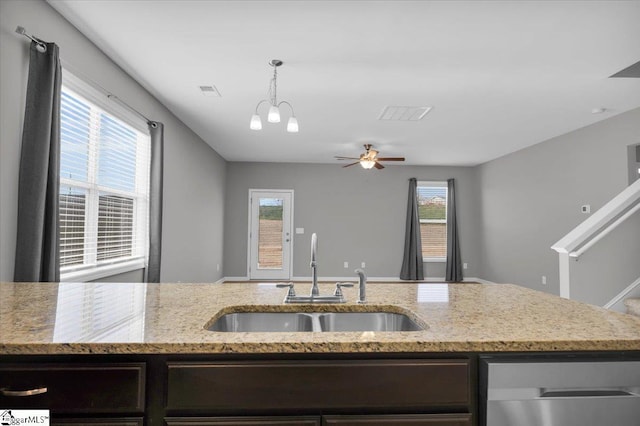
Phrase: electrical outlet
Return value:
(465, 265)
(586, 209)
(218, 267)
(363, 265)
(346, 264)
(544, 280)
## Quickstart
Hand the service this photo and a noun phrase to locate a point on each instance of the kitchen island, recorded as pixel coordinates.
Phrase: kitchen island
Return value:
(49, 318)
(142, 354)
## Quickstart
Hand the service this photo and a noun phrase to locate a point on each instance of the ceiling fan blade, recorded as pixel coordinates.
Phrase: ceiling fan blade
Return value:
(349, 165)
(390, 159)
(378, 166)
(345, 158)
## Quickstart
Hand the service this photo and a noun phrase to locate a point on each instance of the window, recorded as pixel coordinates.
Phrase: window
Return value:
(432, 210)
(104, 186)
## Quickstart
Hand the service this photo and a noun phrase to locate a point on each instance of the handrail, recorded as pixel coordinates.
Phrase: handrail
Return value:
(594, 228)
(604, 220)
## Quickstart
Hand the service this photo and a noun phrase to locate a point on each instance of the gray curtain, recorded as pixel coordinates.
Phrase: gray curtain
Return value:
(454, 263)
(37, 248)
(412, 266)
(156, 131)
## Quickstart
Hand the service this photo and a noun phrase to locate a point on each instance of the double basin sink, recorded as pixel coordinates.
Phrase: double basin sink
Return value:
(265, 322)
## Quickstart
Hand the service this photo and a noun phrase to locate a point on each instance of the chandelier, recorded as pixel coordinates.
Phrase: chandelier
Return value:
(273, 116)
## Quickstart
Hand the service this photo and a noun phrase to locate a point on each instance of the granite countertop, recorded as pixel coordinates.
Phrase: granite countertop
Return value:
(108, 318)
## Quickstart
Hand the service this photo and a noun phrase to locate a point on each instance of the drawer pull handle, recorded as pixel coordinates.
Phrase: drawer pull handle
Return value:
(30, 392)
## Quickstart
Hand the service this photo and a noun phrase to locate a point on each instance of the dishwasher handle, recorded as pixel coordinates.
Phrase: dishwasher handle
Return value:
(582, 393)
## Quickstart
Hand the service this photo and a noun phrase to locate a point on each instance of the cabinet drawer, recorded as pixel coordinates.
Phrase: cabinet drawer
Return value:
(75, 388)
(344, 384)
(400, 420)
(138, 421)
(243, 421)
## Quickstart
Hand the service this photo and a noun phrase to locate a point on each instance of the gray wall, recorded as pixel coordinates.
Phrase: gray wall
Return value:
(358, 215)
(194, 175)
(532, 198)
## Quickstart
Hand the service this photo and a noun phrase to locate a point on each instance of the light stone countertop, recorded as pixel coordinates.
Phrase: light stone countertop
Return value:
(108, 318)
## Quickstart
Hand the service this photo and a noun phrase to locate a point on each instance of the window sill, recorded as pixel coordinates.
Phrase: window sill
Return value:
(434, 259)
(102, 271)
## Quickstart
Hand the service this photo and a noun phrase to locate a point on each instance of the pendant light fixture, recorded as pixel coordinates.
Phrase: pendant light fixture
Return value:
(273, 116)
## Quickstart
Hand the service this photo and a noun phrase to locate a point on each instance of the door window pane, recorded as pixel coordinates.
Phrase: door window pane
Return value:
(270, 250)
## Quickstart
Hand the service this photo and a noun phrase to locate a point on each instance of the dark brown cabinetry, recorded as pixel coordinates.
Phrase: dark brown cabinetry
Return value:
(412, 384)
(379, 420)
(341, 392)
(138, 421)
(201, 390)
(245, 421)
(400, 420)
(92, 389)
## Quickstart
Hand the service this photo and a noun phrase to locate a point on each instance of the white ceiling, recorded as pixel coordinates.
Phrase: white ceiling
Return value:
(500, 75)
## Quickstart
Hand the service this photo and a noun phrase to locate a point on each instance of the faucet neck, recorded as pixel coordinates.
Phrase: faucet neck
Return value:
(362, 288)
(314, 265)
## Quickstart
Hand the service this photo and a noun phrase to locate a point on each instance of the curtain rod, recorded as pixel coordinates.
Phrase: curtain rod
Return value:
(127, 106)
(40, 46)
(108, 94)
(43, 48)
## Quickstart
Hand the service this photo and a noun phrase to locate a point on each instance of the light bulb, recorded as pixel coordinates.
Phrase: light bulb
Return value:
(292, 125)
(274, 114)
(256, 123)
(367, 164)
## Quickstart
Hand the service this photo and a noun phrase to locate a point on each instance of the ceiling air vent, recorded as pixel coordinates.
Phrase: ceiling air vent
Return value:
(210, 91)
(404, 113)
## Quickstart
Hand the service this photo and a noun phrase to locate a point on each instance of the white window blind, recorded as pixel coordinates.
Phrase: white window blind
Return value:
(432, 210)
(104, 186)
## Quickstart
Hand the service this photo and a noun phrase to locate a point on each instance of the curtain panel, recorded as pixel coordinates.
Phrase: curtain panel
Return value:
(454, 262)
(37, 243)
(152, 272)
(412, 266)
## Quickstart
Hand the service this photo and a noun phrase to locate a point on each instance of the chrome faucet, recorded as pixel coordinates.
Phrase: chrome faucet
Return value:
(362, 287)
(314, 297)
(314, 265)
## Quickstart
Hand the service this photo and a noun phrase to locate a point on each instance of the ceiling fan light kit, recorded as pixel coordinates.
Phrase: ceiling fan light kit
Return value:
(369, 159)
(367, 164)
(273, 116)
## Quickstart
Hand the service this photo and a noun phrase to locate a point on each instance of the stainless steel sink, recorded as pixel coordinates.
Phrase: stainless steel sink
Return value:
(367, 321)
(314, 321)
(263, 322)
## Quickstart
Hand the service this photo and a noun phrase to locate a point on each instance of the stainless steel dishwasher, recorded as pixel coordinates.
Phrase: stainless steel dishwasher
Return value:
(568, 392)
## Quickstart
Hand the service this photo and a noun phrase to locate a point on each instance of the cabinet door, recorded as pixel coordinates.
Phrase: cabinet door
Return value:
(407, 385)
(74, 387)
(243, 421)
(400, 420)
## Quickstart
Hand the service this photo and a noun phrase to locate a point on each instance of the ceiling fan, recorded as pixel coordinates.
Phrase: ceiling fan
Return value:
(369, 158)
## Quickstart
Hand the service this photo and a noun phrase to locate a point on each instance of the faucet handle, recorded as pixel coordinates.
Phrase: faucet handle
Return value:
(291, 291)
(339, 286)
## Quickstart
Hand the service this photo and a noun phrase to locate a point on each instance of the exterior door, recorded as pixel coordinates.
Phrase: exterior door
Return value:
(270, 229)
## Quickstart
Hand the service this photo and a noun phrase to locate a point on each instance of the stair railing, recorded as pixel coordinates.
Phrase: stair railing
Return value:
(593, 229)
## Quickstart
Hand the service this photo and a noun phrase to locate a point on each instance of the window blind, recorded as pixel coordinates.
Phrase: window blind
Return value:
(104, 185)
(432, 210)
